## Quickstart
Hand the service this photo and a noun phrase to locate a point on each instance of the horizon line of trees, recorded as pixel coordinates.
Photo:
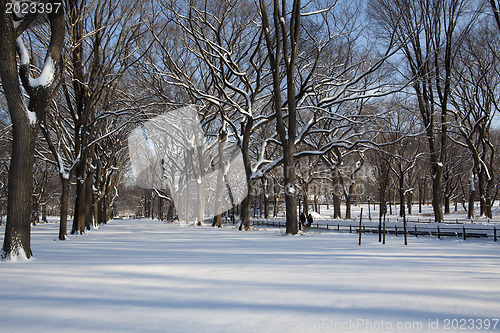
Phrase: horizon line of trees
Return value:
(390, 91)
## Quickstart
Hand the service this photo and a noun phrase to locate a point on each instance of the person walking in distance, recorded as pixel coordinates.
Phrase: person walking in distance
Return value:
(302, 220)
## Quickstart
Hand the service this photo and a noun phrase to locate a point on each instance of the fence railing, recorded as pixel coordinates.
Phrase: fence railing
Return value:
(438, 231)
(446, 221)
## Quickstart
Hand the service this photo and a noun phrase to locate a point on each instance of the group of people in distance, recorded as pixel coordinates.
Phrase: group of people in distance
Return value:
(302, 220)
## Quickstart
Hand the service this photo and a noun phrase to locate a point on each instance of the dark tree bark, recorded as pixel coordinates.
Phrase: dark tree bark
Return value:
(80, 201)
(276, 205)
(337, 191)
(401, 191)
(24, 127)
(63, 225)
(265, 197)
(245, 204)
(160, 208)
(217, 222)
(305, 204)
(336, 206)
(348, 203)
(152, 205)
(101, 214)
(170, 212)
(409, 198)
(284, 45)
(89, 201)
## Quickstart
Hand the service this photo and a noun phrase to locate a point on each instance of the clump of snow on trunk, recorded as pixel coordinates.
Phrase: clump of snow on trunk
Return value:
(23, 53)
(46, 77)
(31, 117)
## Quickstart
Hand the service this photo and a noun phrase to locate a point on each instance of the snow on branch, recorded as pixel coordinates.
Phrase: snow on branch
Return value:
(23, 53)
(47, 75)
(320, 11)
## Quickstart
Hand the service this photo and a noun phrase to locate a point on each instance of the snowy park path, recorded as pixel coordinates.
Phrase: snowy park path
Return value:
(147, 276)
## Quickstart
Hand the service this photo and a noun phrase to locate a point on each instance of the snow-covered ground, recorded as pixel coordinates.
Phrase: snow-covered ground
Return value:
(148, 276)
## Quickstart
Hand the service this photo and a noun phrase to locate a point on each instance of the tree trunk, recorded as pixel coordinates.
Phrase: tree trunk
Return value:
(106, 210)
(382, 212)
(245, 212)
(80, 201)
(220, 181)
(170, 212)
(44, 213)
(20, 187)
(470, 211)
(95, 208)
(88, 201)
(488, 210)
(147, 203)
(390, 201)
(489, 202)
(348, 203)
(447, 193)
(336, 206)
(284, 45)
(290, 189)
(401, 196)
(266, 205)
(245, 146)
(420, 197)
(160, 208)
(437, 197)
(336, 194)
(260, 206)
(254, 202)
(34, 212)
(409, 198)
(276, 205)
(100, 213)
(481, 184)
(201, 197)
(25, 125)
(152, 205)
(217, 222)
(305, 205)
(446, 204)
(63, 224)
(472, 193)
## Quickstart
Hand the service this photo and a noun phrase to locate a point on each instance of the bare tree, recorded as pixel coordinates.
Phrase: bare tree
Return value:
(405, 154)
(428, 33)
(104, 40)
(25, 120)
(108, 163)
(43, 173)
(221, 44)
(476, 104)
(282, 41)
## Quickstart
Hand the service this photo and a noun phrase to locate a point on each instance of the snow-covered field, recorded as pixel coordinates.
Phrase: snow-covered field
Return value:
(147, 276)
